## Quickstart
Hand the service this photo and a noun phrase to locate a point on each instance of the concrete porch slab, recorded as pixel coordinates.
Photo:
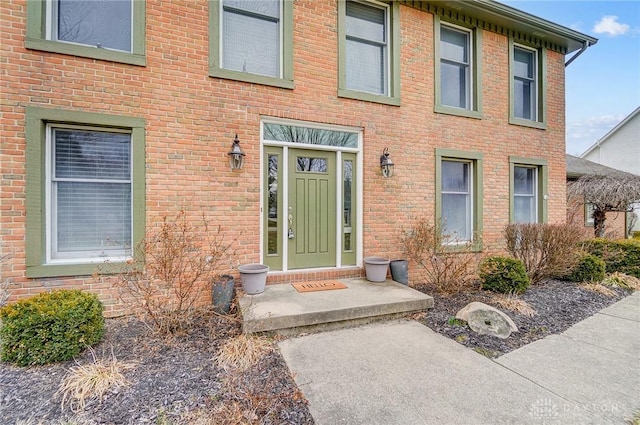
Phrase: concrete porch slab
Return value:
(282, 309)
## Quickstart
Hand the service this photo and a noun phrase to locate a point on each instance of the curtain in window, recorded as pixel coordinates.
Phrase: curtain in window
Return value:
(251, 36)
(366, 48)
(454, 68)
(91, 193)
(524, 195)
(524, 84)
(456, 200)
(100, 23)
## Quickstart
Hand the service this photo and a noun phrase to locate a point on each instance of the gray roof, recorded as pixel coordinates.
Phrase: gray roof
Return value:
(578, 167)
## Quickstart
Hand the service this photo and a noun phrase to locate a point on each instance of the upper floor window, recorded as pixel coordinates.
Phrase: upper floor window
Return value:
(251, 40)
(458, 88)
(112, 30)
(105, 24)
(368, 53)
(527, 87)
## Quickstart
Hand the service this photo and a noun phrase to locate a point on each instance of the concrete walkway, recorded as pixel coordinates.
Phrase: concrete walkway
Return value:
(403, 373)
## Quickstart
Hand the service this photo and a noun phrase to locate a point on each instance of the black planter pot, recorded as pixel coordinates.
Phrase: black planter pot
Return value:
(222, 293)
(400, 271)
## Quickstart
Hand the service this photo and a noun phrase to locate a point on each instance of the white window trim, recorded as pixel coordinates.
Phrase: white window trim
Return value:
(50, 231)
(358, 178)
(470, 204)
(280, 41)
(51, 27)
(534, 195)
(535, 79)
(471, 83)
(387, 37)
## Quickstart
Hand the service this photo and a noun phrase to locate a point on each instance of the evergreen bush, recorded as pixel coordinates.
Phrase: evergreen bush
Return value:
(621, 256)
(504, 275)
(50, 327)
(589, 269)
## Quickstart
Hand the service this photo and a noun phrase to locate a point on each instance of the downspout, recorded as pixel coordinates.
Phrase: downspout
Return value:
(585, 46)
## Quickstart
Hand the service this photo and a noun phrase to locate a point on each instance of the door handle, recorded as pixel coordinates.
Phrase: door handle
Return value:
(291, 234)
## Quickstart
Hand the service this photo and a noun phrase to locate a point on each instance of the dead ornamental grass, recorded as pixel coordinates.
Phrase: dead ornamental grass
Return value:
(623, 281)
(512, 303)
(242, 352)
(599, 288)
(92, 381)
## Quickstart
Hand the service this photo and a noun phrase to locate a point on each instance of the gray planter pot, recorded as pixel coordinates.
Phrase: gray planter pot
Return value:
(253, 278)
(376, 268)
(222, 293)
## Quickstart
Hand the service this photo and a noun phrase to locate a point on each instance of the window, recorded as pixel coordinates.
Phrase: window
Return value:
(528, 188)
(251, 40)
(588, 213)
(112, 30)
(458, 88)
(459, 196)
(527, 86)
(369, 56)
(86, 175)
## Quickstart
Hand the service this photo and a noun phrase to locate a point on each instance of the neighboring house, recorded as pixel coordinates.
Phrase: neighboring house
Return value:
(620, 149)
(582, 213)
(117, 113)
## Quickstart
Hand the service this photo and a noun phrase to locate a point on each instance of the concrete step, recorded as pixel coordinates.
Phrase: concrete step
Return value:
(283, 310)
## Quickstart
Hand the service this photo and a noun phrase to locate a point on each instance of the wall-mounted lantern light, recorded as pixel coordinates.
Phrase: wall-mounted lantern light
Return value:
(236, 156)
(386, 165)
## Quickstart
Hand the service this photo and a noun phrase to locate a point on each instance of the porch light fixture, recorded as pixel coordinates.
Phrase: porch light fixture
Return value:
(236, 156)
(386, 164)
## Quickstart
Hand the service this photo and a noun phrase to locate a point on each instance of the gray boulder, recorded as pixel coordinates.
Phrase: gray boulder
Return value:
(486, 320)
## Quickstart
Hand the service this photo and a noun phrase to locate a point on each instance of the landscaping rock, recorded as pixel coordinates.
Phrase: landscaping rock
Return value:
(486, 320)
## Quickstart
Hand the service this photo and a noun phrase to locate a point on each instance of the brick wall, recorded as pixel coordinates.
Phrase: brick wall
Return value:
(191, 119)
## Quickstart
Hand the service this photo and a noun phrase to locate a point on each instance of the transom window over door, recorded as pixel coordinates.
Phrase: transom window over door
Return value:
(90, 200)
(251, 36)
(105, 24)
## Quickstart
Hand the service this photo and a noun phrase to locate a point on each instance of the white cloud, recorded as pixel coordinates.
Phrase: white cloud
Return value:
(609, 25)
(582, 134)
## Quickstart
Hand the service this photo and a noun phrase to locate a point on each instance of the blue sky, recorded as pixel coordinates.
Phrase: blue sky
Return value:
(603, 84)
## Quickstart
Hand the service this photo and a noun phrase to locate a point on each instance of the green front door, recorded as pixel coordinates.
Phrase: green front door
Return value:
(311, 210)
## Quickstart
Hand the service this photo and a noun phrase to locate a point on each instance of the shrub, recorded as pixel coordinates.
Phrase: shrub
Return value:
(589, 269)
(50, 327)
(170, 274)
(503, 274)
(621, 256)
(439, 265)
(546, 250)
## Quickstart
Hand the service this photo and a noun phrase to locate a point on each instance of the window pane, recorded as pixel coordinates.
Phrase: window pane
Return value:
(523, 63)
(92, 216)
(523, 99)
(251, 44)
(347, 184)
(524, 209)
(523, 180)
(101, 23)
(456, 217)
(365, 22)
(92, 155)
(454, 45)
(272, 219)
(365, 67)
(311, 136)
(311, 165)
(455, 176)
(269, 8)
(453, 81)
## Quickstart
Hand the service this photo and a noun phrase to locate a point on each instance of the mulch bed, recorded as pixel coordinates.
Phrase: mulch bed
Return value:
(558, 304)
(176, 379)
